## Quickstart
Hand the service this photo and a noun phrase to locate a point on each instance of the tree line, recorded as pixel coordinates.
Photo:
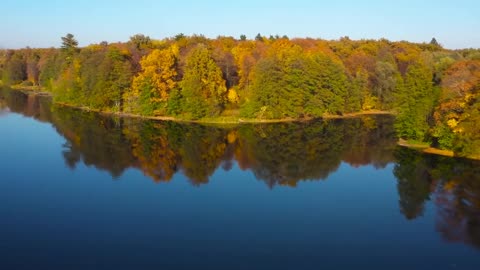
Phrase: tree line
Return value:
(432, 90)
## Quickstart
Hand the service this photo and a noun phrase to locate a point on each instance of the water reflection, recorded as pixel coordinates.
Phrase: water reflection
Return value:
(3, 107)
(278, 154)
(452, 184)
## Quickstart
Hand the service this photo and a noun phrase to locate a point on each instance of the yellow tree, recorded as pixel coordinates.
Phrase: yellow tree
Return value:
(243, 55)
(152, 86)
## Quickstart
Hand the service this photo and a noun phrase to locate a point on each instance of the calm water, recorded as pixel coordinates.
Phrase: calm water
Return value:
(84, 191)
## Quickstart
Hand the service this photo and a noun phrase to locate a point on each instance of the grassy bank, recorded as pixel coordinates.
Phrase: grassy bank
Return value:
(426, 148)
(230, 120)
(229, 117)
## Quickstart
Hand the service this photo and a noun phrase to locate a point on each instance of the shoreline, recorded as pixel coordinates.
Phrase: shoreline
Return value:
(222, 119)
(227, 120)
(427, 149)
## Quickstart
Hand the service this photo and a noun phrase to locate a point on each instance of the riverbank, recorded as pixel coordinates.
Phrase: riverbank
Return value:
(232, 119)
(37, 90)
(427, 149)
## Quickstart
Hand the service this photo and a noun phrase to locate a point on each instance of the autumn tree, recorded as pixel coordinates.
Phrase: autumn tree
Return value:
(457, 115)
(461, 78)
(50, 65)
(203, 88)
(245, 61)
(222, 54)
(265, 78)
(140, 41)
(387, 80)
(152, 86)
(15, 70)
(32, 58)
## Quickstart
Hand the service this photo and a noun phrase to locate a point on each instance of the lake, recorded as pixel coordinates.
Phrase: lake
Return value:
(80, 190)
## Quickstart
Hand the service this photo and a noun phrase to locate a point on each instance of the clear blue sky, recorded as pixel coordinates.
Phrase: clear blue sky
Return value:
(37, 23)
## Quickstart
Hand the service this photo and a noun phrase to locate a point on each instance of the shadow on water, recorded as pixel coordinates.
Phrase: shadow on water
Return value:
(278, 154)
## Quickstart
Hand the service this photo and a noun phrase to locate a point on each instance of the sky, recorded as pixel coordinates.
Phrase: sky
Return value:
(41, 23)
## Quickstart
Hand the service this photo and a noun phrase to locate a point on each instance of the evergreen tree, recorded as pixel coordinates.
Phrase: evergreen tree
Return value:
(69, 46)
(416, 100)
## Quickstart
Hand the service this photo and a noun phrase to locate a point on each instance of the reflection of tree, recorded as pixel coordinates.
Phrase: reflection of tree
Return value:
(150, 145)
(162, 148)
(285, 153)
(458, 201)
(277, 153)
(31, 105)
(202, 149)
(413, 180)
(96, 140)
(288, 152)
(3, 105)
(370, 141)
(457, 192)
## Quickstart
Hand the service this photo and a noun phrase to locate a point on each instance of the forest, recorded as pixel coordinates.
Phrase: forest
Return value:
(433, 91)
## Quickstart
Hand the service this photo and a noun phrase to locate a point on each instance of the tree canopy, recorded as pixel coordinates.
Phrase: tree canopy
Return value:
(432, 90)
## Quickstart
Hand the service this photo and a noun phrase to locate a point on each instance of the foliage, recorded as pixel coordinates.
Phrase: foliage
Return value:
(141, 41)
(458, 113)
(69, 47)
(416, 99)
(433, 90)
(14, 71)
(290, 83)
(203, 87)
(152, 86)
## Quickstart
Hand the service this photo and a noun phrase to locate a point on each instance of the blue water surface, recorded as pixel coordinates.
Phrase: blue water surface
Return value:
(53, 216)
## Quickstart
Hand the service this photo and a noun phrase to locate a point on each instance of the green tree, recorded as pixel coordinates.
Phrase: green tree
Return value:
(114, 77)
(434, 42)
(278, 88)
(327, 83)
(140, 41)
(50, 66)
(386, 82)
(15, 70)
(416, 101)
(179, 37)
(203, 87)
(69, 46)
(289, 83)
